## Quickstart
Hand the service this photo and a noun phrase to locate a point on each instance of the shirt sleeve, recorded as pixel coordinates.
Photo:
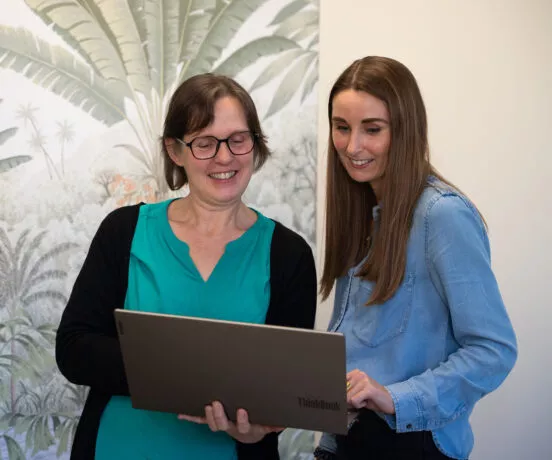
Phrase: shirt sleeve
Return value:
(458, 258)
(293, 281)
(299, 296)
(87, 347)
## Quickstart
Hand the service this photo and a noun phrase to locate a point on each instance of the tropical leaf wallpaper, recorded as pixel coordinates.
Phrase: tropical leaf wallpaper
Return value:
(84, 86)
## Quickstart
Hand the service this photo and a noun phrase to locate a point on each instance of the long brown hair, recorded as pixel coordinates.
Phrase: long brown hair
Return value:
(349, 203)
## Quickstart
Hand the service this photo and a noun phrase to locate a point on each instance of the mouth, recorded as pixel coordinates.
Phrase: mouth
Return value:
(223, 175)
(361, 163)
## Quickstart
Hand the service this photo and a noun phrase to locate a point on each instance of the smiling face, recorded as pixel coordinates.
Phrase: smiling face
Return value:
(361, 135)
(221, 180)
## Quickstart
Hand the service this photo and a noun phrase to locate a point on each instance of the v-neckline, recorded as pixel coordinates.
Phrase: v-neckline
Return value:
(183, 245)
(194, 264)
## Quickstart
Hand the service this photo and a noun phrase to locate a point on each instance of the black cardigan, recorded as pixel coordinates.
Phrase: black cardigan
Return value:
(87, 348)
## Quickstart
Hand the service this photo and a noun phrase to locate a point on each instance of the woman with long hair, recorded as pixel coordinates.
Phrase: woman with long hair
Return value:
(427, 333)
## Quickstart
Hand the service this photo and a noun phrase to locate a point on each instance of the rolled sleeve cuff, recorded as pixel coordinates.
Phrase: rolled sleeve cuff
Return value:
(408, 411)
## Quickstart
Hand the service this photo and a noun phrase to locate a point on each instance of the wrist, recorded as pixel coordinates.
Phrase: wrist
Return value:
(389, 403)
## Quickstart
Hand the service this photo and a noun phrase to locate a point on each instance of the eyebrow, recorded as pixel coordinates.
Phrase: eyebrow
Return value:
(365, 120)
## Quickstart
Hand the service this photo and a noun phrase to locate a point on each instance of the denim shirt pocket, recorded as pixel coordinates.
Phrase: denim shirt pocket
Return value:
(376, 324)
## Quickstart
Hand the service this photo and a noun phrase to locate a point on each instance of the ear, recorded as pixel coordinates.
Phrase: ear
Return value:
(174, 150)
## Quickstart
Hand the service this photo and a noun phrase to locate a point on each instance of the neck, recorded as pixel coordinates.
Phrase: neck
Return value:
(211, 219)
(376, 188)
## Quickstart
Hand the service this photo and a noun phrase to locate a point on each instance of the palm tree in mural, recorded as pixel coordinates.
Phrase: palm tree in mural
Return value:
(48, 413)
(65, 422)
(38, 141)
(15, 160)
(28, 363)
(126, 57)
(65, 135)
(26, 343)
(27, 410)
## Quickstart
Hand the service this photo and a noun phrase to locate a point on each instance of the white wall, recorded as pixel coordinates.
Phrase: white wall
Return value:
(485, 70)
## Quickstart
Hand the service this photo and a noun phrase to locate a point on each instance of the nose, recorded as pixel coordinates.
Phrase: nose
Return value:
(354, 143)
(224, 155)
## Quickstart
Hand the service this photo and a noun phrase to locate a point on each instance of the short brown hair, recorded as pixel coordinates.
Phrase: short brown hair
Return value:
(192, 108)
(348, 203)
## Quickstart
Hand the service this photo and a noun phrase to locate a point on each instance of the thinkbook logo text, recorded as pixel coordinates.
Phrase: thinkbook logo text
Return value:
(318, 404)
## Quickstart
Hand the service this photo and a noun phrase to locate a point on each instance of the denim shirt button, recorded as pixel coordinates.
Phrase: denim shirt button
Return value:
(409, 426)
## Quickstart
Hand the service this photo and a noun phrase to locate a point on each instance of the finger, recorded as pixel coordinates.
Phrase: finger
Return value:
(275, 429)
(359, 403)
(242, 423)
(361, 398)
(357, 375)
(353, 386)
(352, 374)
(354, 377)
(265, 429)
(356, 384)
(190, 418)
(371, 405)
(221, 420)
(210, 418)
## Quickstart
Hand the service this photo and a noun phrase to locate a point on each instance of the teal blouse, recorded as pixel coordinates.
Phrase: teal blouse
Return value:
(164, 279)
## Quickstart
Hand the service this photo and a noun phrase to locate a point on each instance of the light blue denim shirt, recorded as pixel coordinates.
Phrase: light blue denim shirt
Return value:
(444, 340)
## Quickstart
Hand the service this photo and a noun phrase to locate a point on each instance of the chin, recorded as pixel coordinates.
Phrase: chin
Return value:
(228, 196)
(360, 176)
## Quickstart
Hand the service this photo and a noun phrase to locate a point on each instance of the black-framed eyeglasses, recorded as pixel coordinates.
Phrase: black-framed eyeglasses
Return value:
(207, 147)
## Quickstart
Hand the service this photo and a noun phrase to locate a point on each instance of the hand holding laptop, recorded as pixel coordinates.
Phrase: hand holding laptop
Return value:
(364, 392)
(242, 430)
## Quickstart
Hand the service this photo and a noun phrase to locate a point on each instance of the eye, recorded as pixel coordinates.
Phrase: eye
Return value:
(373, 130)
(204, 143)
(341, 128)
(237, 139)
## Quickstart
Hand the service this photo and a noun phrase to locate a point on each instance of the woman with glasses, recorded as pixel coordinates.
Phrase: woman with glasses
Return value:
(205, 255)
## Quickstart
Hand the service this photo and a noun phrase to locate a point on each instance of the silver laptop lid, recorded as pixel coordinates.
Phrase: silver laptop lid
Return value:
(282, 376)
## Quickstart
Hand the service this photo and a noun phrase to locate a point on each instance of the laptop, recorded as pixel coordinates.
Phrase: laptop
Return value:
(288, 377)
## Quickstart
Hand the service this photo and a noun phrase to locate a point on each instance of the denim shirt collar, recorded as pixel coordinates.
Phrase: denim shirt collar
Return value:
(376, 212)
